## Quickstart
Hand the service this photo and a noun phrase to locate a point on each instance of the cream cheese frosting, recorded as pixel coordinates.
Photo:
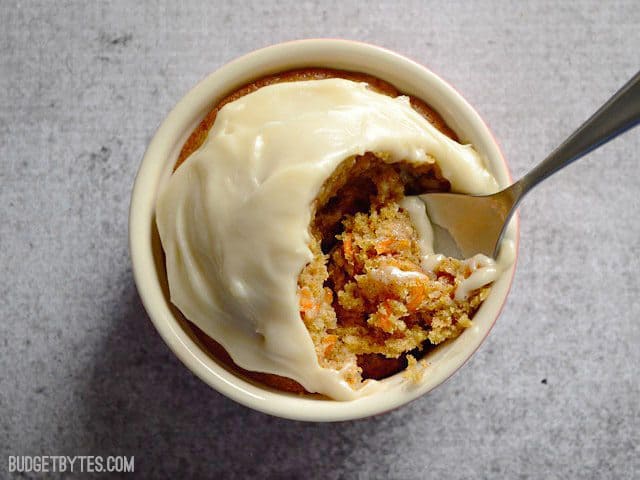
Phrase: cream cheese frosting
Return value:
(234, 217)
(484, 270)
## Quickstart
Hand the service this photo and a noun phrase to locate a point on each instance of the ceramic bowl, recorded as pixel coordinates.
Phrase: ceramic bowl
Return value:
(407, 76)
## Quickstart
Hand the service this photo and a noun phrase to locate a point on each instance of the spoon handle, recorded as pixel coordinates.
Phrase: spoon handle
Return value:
(615, 117)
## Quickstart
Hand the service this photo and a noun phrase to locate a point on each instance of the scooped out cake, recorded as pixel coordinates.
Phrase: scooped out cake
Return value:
(296, 243)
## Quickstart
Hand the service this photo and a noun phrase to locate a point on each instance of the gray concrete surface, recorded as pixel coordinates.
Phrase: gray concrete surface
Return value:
(554, 391)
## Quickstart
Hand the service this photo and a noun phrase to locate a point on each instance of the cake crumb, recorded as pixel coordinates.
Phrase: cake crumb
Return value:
(365, 294)
(415, 369)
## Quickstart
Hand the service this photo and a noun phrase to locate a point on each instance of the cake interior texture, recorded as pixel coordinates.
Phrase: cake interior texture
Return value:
(369, 306)
(365, 298)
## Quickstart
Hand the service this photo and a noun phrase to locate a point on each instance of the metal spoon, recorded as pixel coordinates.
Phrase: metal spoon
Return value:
(477, 223)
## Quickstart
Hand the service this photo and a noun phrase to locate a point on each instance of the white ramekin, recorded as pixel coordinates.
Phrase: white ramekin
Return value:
(409, 77)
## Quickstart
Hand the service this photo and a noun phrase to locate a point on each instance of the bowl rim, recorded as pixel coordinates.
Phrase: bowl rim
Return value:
(141, 218)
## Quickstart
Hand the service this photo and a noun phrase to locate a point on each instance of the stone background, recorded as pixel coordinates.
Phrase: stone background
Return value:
(554, 391)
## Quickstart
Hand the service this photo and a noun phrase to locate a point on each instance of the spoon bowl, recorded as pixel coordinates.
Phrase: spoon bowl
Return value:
(476, 223)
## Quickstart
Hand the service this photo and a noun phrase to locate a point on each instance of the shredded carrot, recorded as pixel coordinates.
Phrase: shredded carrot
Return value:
(392, 244)
(307, 303)
(384, 318)
(385, 324)
(416, 296)
(347, 245)
(384, 246)
(330, 342)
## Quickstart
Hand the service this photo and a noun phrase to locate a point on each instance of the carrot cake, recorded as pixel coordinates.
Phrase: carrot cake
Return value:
(295, 239)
